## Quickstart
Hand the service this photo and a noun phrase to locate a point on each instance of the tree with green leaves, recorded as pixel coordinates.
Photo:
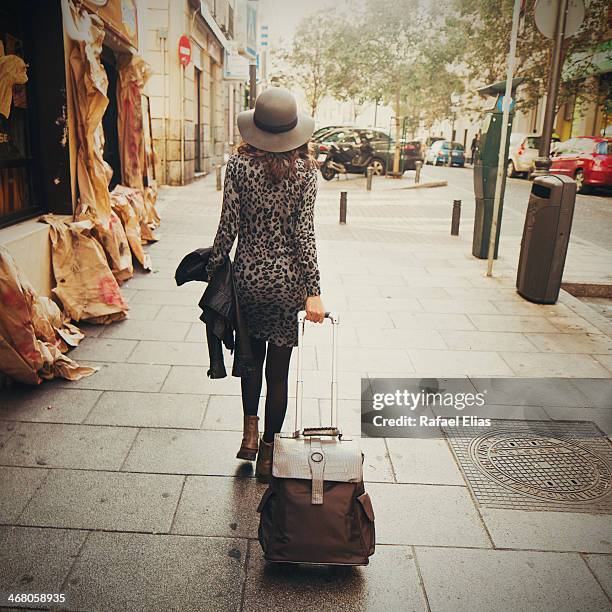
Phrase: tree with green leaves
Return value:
(309, 61)
(478, 31)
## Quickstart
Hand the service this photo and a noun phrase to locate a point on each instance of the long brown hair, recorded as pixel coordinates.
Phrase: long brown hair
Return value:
(279, 166)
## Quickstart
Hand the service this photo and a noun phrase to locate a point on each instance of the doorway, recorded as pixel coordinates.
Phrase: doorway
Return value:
(198, 119)
(110, 118)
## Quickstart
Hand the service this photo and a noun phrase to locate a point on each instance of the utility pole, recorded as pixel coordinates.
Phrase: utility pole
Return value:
(543, 161)
(504, 132)
(252, 84)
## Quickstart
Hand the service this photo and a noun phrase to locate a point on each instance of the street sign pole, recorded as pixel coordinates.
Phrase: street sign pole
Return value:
(504, 133)
(543, 162)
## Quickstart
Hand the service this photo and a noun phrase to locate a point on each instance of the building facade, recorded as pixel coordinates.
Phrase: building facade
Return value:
(47, 135)
(194, 103)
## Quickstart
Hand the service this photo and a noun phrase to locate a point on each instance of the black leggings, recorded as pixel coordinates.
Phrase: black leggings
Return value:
(277, 371)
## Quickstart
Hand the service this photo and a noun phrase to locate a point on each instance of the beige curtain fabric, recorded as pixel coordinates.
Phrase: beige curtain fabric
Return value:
(144, 206)
(129, 216)
(85, 285)
(34, 335)
(134, 72)
(89, 86)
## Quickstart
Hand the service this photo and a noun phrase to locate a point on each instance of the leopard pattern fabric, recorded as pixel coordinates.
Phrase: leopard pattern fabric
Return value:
(275, 266)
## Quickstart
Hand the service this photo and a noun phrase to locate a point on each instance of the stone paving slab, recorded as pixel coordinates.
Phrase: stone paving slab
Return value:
(147, 330)
(377, 466)
(459, 363)
(37, 560)
(353, 359)
(428, 515)
(423, 461)
(540, 392)
(143, 312)
(68, 446)
(192, 379)
(80, 499)
(602, 417)
(554, 531)
(464, 580)
(170, 353)
(104, 349)
(374, 337)
(7, 429)
(511, 323)
(601, 566)
(597, 391)
(120, 571)
(409, 320)
(121, 377)
(224, 412)
(180, 451)
(486, 341)
(572, 325)
(185, 314)
(163, 298)
(555, 364)
(135, 409)
(389, 582)
(219, 506)
(457, 305)
(594, 344)
(47, 403)
(606, 361)
(17, 485)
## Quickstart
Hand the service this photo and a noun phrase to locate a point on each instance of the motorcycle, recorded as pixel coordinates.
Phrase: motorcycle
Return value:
(344, 159)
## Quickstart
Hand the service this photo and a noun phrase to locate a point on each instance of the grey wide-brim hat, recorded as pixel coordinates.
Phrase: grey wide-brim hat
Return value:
(275, 124)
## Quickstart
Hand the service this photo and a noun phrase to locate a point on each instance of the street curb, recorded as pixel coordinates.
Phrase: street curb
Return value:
(426, 185)
(601, 290)
(586, 312)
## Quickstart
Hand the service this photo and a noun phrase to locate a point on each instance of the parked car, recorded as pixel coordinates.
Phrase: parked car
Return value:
(587, 159)
(439, 151)
(320, 132)
(382, 142)
(522, 153)
(524, 148)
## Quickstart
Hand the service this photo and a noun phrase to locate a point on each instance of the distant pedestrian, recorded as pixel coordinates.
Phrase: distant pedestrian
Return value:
(268, 202)
(474, 148)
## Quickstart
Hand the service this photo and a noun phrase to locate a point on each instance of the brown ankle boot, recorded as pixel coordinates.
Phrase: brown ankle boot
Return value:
(250, 438)
(263, 469)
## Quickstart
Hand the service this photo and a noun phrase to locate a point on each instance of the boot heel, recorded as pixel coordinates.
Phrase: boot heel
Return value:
(247, 454)
(250, 439)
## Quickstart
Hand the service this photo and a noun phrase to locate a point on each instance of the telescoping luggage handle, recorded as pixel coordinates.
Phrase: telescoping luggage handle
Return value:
(332, 430)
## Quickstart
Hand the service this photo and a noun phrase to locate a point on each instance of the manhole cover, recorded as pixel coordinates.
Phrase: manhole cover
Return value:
(539, 465)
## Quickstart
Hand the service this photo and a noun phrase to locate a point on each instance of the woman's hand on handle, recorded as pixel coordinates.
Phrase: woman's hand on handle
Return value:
(314, 309)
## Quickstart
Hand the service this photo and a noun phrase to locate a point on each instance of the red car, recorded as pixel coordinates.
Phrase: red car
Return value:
(588, 160)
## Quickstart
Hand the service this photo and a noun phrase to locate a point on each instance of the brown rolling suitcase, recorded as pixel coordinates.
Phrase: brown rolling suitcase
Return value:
(316, 509)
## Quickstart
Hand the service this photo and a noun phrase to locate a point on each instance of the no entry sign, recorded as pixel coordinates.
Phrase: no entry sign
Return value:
(184, 49)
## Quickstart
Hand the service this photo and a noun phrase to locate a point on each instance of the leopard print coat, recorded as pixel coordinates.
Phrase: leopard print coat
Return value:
(275, 267)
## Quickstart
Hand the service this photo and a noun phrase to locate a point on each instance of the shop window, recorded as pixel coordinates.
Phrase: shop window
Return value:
(17, 198)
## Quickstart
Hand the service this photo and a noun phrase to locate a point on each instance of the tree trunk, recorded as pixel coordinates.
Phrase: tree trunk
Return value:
(398, 134)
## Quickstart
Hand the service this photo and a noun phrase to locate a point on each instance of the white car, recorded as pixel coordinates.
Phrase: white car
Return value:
(524, 148)
(522, 153)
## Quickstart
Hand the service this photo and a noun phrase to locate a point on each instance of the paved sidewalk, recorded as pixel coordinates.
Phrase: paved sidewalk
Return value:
(122, 490)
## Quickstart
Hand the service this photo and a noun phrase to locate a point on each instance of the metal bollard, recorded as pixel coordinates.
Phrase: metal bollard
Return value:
(417, 174)
(456, 217)
(343, 207)
(218, 177)
(369, 174)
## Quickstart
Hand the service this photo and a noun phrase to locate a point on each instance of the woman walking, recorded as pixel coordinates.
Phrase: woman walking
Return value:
(268, 202)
